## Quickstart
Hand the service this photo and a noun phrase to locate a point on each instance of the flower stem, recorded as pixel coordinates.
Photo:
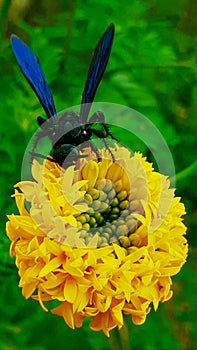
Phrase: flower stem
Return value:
(114, 340)
(124, 338)
(119, 338)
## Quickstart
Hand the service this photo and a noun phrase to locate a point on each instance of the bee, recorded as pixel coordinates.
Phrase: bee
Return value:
(70, 130)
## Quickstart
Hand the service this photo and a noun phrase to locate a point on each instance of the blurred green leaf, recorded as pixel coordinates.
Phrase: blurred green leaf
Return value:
(152, 69)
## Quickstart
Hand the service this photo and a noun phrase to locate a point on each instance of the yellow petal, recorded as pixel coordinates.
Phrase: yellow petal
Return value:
(70, 290)
(51, 266)
(114, 172)
(90, 172)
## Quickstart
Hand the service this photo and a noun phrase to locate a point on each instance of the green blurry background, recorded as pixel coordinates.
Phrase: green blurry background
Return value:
(153, 70)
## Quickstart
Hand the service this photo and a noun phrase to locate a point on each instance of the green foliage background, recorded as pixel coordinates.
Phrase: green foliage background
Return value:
(153, 70)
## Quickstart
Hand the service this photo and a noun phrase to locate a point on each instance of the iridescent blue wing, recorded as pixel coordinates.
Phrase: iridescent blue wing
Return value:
(96, 70)
(32, 71)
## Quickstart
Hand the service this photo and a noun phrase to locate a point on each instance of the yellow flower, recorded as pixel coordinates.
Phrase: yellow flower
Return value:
(103, 239)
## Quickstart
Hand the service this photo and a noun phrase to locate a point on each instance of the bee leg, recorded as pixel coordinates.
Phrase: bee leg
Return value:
(94, 149)
(109, 150)
(38, 155)
(99, 118)
(108, 133)
(102, 136)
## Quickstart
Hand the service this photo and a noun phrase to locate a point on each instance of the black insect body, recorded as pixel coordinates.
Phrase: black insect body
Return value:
(71, 129)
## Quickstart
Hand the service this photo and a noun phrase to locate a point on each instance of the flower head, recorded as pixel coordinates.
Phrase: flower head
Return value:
(103, 239)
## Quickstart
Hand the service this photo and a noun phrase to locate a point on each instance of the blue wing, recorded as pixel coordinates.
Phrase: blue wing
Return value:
(32, 71)
(96, 70)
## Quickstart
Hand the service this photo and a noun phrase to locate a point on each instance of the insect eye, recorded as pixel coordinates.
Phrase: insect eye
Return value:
(84, 132)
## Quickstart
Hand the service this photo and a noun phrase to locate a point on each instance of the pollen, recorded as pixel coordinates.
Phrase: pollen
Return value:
(112, 215)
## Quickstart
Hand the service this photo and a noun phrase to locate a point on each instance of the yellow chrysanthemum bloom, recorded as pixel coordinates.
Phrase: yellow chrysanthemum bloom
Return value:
(103, 239)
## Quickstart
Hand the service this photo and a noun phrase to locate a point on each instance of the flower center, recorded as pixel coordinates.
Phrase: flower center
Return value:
(112, 215)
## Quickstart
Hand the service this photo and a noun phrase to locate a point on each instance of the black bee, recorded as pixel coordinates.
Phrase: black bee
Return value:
(71, 129)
